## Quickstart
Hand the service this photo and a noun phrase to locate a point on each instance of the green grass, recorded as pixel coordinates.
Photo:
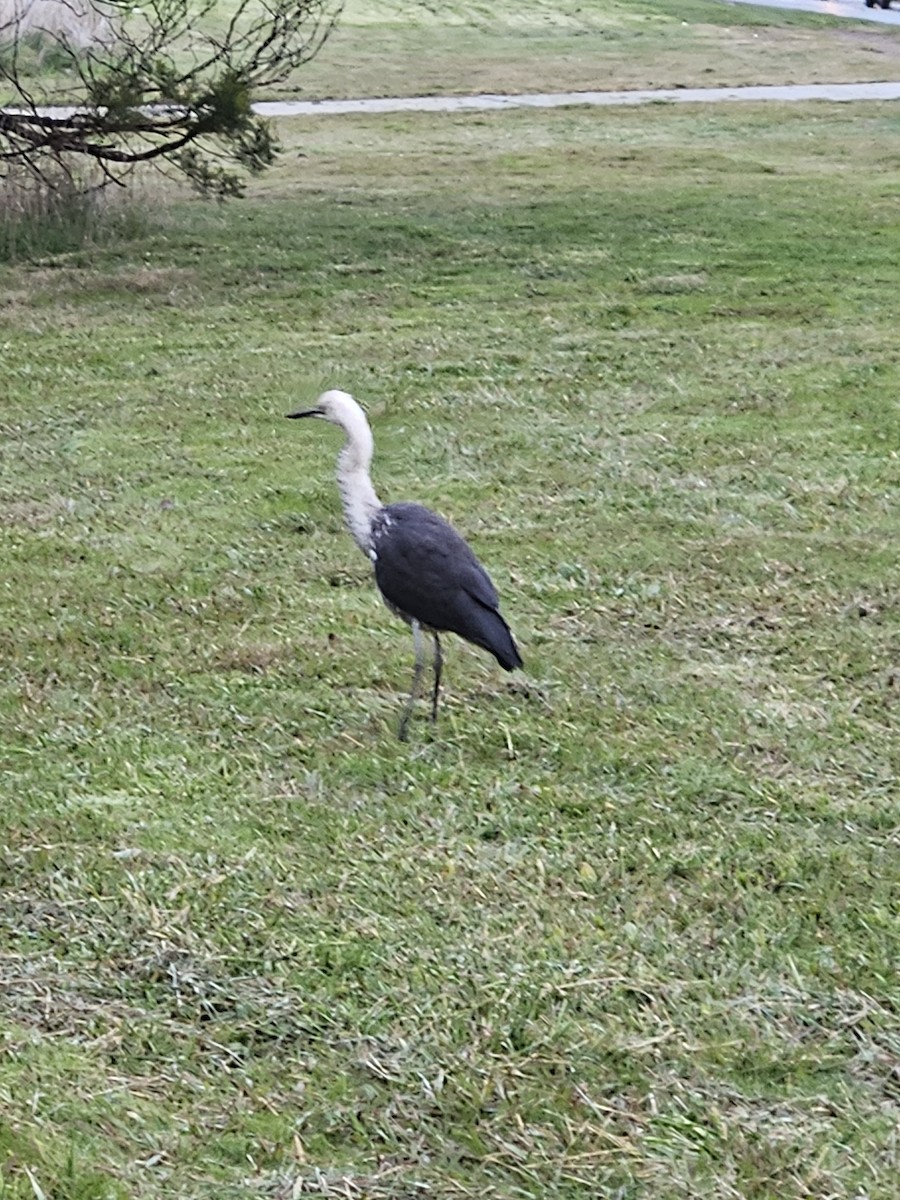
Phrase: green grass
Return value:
(625, 925)
(61, 212)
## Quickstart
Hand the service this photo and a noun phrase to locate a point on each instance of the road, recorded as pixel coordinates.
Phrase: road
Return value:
(851, 9)
(796, 92)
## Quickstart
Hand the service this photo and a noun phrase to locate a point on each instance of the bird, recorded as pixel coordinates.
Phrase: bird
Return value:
(426, 572)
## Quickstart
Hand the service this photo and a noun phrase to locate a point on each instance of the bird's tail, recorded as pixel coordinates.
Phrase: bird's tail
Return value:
(493, 634)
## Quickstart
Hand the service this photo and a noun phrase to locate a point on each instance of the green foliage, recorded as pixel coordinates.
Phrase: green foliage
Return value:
(118, 94)
(209, 178)
(227, 100)
(257, 146)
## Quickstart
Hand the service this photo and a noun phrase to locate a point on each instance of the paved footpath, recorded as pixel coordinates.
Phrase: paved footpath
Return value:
(800, 91)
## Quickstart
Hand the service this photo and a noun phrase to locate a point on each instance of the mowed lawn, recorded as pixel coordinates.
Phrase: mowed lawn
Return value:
(407, 48)
(625, 924)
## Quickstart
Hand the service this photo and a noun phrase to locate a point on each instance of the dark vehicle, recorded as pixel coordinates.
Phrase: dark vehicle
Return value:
(878, 3)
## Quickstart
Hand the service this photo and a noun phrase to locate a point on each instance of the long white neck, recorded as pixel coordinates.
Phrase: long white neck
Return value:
(358, 496)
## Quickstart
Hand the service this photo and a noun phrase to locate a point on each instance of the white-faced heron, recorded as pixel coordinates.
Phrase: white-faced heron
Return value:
(425, 571)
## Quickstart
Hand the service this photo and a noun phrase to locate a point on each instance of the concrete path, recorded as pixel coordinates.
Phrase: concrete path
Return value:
(802, 91)
(854, 10)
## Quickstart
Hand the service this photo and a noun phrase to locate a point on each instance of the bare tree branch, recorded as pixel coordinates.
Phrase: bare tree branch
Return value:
(165, 80)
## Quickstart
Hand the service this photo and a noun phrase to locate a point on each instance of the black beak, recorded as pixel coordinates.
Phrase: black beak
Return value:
(306, 412)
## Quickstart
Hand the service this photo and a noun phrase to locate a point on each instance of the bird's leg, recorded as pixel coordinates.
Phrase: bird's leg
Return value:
(417, 678)
(438, 665)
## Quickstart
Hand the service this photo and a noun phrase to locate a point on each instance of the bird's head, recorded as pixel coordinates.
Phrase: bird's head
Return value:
(335, 406)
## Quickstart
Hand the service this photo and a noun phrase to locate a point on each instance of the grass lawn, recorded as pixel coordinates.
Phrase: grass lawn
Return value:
(624, 925)
(404, 48)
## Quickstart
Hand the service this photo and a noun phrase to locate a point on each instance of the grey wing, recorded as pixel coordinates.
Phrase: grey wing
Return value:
(425, 569)
(427, 572)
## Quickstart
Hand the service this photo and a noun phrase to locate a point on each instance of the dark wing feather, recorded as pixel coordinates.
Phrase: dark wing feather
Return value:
(426, 571)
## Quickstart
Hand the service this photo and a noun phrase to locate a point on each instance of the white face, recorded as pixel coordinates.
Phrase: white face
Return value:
(337, 406)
